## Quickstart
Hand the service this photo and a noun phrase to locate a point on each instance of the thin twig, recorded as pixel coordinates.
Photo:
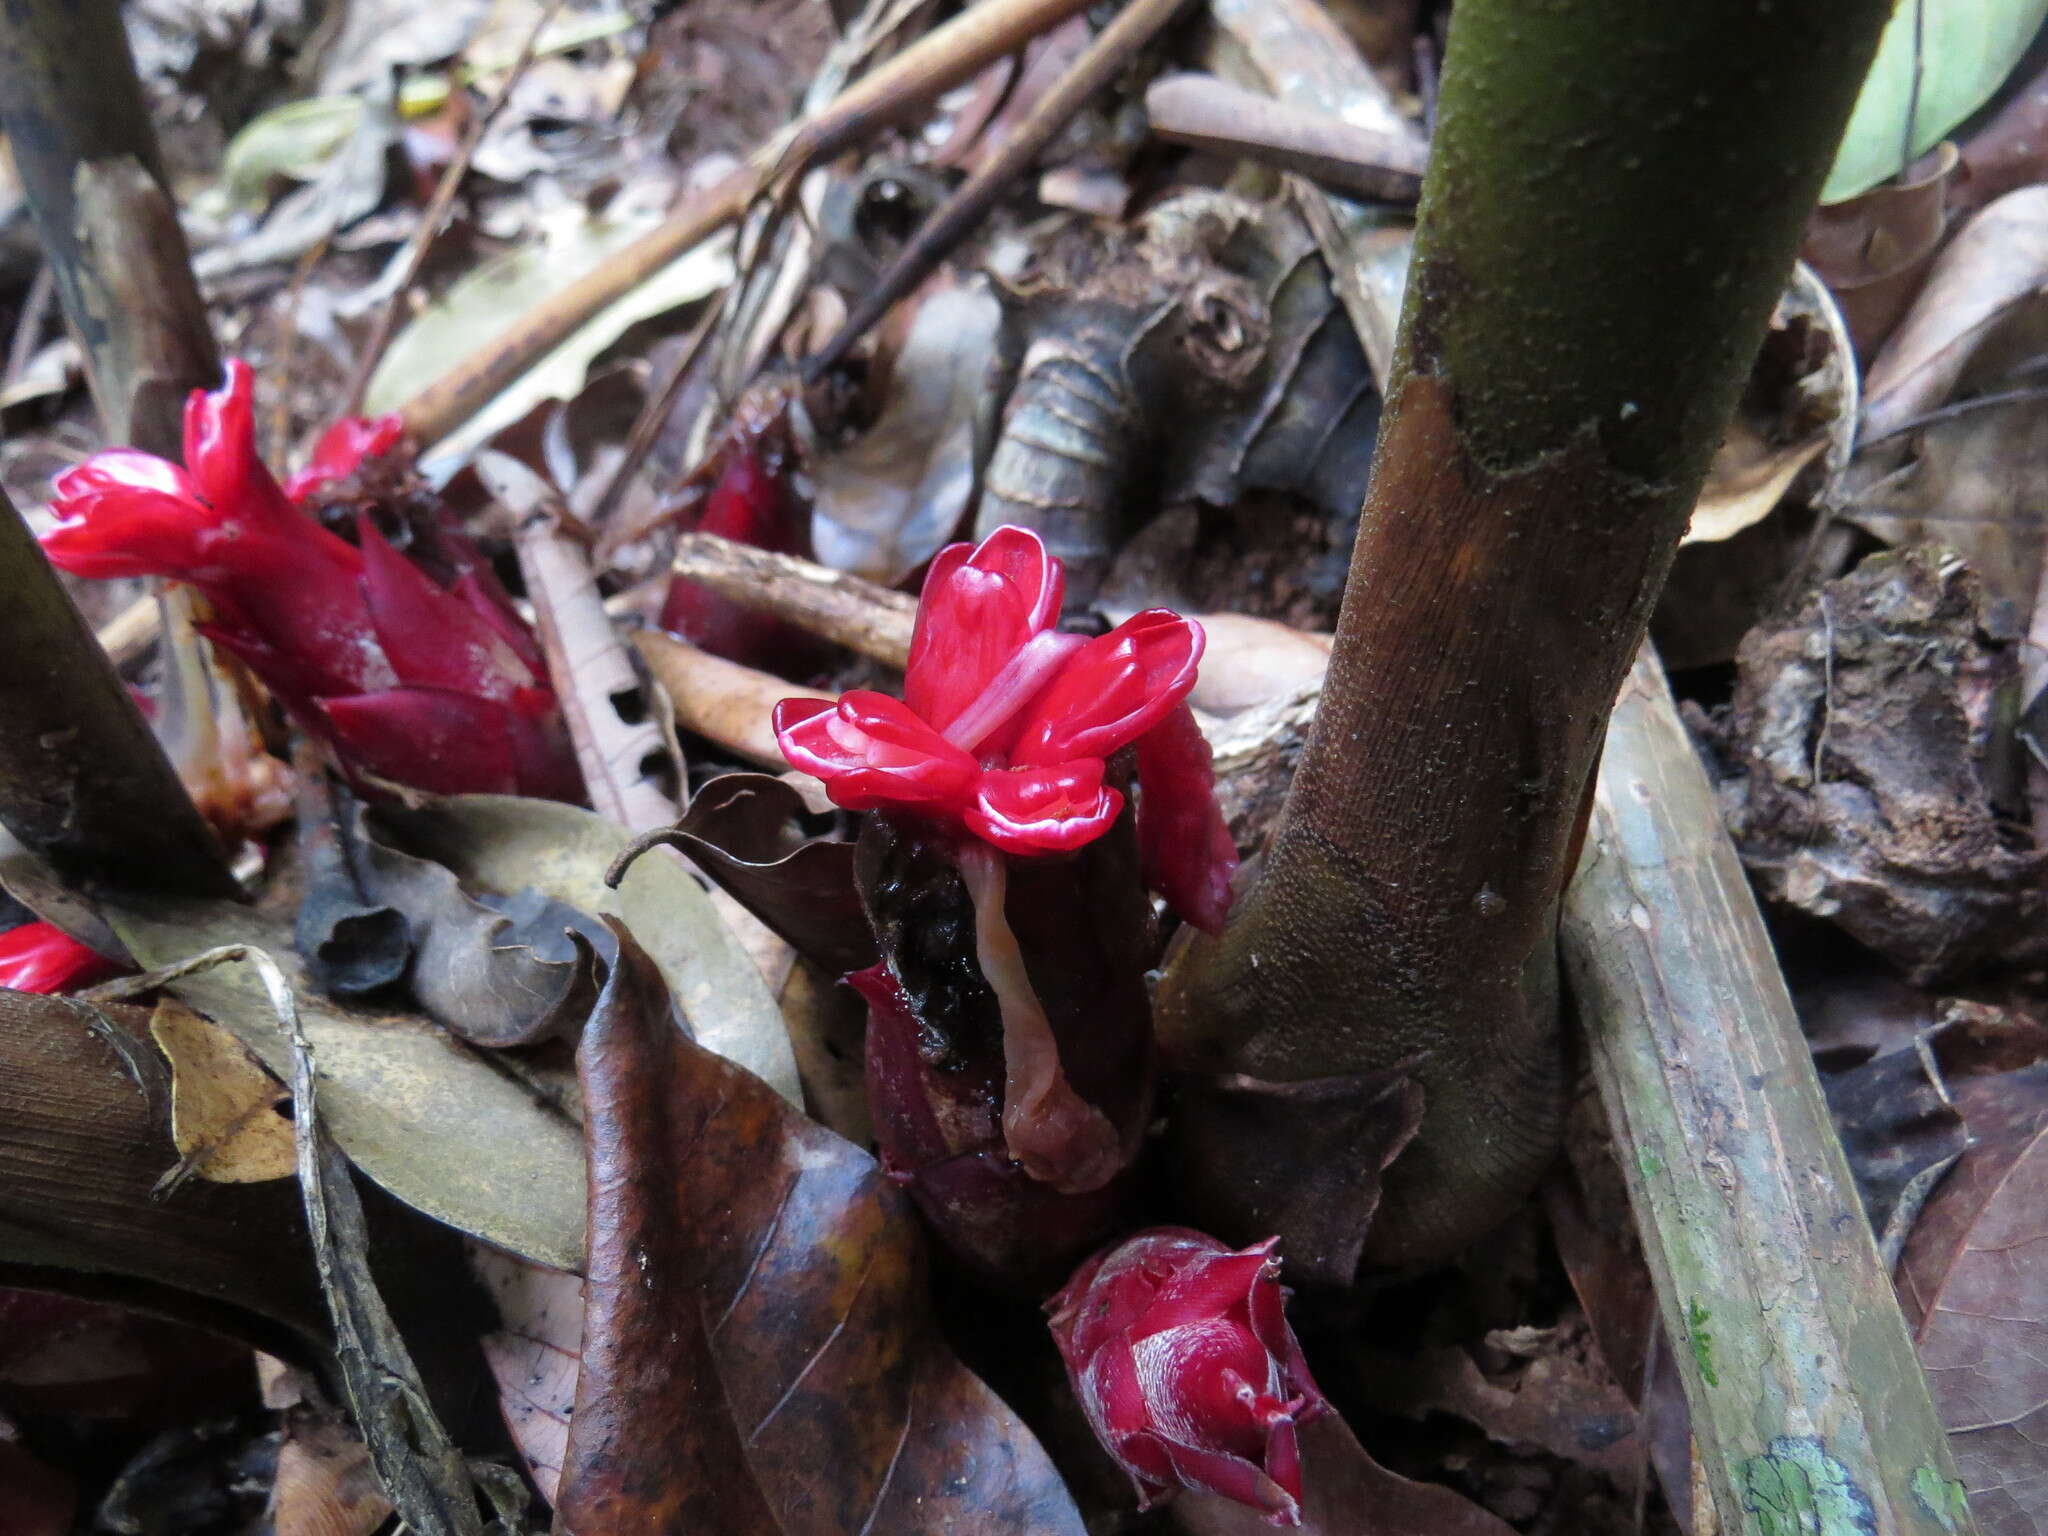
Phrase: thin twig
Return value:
(28, 330)
(935, 64)
(1135, 26)
(653, 416)
(429, 230)
(1208, 113)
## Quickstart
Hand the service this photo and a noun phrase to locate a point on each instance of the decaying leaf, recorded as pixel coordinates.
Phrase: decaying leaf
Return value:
(421, 1113)
(1900, 1132)
(1974, 1286)
(1864, 760)
(533, 1358)
(352, 945)
(497, 969)
(758, 1359)
(1799, 403)
(84, 1098)
(1344, 1493)
(742, 829)
(1874, 249)
(1993, 266)
(887, 501)
(325, 1485)
(224, 1116)
(509, 843)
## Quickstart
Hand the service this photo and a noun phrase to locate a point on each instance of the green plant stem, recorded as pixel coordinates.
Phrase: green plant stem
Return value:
(1612, 205)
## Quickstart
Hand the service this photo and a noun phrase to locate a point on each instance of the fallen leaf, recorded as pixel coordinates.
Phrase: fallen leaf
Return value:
(887, 501)
(422, 1114)
(534, 1357)
(1996, 263)
(1900, 1132)
(352, 946)
(296, 141)
(480, 306)
(758, 1356)
(1974, 481)
(1874, 249)
(722, 701)
(1344, 1493)
(511, 843)
(224, 1117)
(1320, 1197)
(325, 1485)
(743, 830)
(1974, 1286)
(1938, 61)
(84, 1099)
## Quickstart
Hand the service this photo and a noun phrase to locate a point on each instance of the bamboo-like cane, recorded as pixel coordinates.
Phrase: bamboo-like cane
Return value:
(1808, 1407)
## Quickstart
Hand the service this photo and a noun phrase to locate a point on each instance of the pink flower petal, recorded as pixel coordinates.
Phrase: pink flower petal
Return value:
(41, 957)
(342, 449)
(1112, 690)
(871, 751)
(1043, 810)
(1183, 840)
(979, 607)
(220, 453)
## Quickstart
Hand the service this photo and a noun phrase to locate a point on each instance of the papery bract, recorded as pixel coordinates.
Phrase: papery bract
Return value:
(41, 957)
(1179, 1351)
(432, 685)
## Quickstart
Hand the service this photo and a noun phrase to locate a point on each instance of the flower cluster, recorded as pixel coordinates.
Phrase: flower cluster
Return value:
(1006, 725)
(1181, 1356)
(439, 687)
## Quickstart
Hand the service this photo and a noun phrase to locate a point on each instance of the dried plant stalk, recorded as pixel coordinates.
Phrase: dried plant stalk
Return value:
(1806, 1397)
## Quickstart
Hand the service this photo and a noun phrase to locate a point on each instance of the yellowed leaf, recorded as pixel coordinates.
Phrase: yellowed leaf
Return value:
(224, 1117)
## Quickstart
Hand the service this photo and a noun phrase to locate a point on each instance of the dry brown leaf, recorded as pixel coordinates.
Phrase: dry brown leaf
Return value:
(533, 1358)
(1998, 262)
(721, 700)
(1974, 1285)
(325, 1484)
(224, 1117)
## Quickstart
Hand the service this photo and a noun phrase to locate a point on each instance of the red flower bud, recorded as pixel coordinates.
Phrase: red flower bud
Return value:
(41, 957)
(434, 685)
(1180, 1353)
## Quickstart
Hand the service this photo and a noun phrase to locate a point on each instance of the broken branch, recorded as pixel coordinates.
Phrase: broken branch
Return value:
(1796, 1361)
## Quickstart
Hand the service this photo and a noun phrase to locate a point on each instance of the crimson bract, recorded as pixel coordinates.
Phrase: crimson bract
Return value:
(439, 687)
(1006, 725)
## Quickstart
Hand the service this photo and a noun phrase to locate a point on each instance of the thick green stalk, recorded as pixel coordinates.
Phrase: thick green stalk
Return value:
(75, 117)
(1611, 208)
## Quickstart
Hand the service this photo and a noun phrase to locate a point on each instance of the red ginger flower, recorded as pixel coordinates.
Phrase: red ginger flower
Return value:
(1006, 724)
(41, 957)
(441, 688)
(1180, 1353)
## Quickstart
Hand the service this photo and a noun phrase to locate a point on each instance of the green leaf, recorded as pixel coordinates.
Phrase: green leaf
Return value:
(296, 140)
(1965, 50)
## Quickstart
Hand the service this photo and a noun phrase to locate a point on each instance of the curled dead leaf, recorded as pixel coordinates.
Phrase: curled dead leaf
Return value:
(758, 1356)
